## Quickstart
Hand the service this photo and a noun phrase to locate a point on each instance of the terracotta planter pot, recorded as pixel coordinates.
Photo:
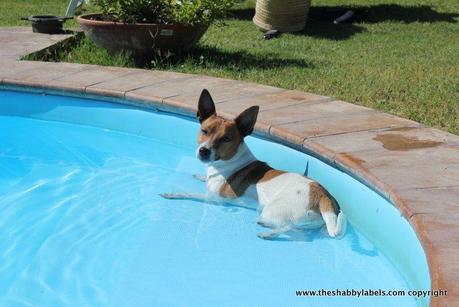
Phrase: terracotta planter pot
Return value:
(142, 40)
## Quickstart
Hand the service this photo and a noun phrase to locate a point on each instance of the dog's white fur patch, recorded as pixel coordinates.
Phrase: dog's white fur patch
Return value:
(218, 171)
(284, 199)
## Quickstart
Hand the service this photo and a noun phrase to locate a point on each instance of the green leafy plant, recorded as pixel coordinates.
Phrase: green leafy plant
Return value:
(188, 12)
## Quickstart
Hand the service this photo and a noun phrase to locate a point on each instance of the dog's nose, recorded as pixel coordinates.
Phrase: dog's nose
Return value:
(204, 153)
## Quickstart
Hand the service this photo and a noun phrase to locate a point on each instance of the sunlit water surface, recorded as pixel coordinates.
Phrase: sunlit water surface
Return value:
(82, 224)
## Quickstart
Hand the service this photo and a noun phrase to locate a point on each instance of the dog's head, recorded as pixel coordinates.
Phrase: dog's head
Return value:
(219, 138)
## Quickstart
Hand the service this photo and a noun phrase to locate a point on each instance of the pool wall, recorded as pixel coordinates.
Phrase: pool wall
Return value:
(368, 211)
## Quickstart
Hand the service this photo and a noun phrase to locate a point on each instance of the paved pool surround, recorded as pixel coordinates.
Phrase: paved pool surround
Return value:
(413, 166)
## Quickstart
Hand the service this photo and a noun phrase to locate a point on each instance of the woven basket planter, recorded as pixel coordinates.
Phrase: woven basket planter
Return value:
(282, 15)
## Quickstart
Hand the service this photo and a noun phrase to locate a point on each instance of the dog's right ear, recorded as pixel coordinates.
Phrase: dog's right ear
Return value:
(206, 106)
(246, 120)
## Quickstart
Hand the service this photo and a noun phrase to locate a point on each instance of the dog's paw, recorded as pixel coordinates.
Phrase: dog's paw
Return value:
(261, 223)
(266, 235)
(199, 177)
(168, 195)
(264, 224)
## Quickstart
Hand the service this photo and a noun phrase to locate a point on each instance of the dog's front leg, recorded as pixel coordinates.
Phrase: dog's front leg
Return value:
(205, 198)
(202, 198)
(186, 196)
(200, 177)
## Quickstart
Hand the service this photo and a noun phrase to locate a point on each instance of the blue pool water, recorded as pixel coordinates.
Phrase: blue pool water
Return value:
(82, 223)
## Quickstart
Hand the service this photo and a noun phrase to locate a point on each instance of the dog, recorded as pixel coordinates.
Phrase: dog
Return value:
(286, 201)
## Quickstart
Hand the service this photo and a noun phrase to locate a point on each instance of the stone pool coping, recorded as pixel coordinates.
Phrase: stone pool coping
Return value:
(415, 167)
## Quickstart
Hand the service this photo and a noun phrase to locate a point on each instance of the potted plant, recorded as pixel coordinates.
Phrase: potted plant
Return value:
(144, 27)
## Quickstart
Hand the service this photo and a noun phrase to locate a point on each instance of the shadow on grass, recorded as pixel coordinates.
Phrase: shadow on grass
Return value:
(368, 14)
(241, 14)
(382, 13)
(210, 57)
(321, 18)
(314, 28)
(329, 30)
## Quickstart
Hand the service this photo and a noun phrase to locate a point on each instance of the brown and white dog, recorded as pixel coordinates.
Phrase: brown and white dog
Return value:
(286, 200)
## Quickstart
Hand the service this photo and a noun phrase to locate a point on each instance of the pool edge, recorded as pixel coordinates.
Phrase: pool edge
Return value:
(322, 154)
(438, 252)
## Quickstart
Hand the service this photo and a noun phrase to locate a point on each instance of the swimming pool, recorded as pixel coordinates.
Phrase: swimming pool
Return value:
(83, 225)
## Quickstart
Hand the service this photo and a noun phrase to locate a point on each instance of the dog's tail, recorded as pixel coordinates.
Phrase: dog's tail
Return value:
(341, 225)
(336, 224)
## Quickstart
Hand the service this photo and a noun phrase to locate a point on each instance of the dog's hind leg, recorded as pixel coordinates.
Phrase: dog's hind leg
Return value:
(265, 224)
(274, 233)
(269, 218)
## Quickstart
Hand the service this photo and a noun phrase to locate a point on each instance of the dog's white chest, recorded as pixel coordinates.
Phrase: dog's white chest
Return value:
(215, 183)
(219, 171)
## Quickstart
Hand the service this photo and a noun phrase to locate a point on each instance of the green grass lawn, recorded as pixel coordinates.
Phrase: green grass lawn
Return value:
(399, 56)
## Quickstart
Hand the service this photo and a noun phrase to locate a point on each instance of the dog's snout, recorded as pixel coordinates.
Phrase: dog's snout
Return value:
(204, 153)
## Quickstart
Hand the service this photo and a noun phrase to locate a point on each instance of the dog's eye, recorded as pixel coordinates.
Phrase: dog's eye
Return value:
(226, 139)
(204, 131)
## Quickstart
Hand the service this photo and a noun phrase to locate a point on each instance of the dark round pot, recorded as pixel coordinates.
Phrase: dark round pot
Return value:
(140, 39)
(48, 24)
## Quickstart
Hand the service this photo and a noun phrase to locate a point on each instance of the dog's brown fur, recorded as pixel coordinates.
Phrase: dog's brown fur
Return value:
(214, 129)
(237, 184)
(321, 200)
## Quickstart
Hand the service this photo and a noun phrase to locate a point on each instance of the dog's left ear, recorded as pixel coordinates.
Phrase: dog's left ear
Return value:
(246, 120)
(206, 106)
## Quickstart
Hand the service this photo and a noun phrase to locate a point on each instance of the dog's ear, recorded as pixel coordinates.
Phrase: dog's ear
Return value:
(246, 120)
(206, 106)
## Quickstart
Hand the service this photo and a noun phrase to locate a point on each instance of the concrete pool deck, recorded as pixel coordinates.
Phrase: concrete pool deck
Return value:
(415, 167)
